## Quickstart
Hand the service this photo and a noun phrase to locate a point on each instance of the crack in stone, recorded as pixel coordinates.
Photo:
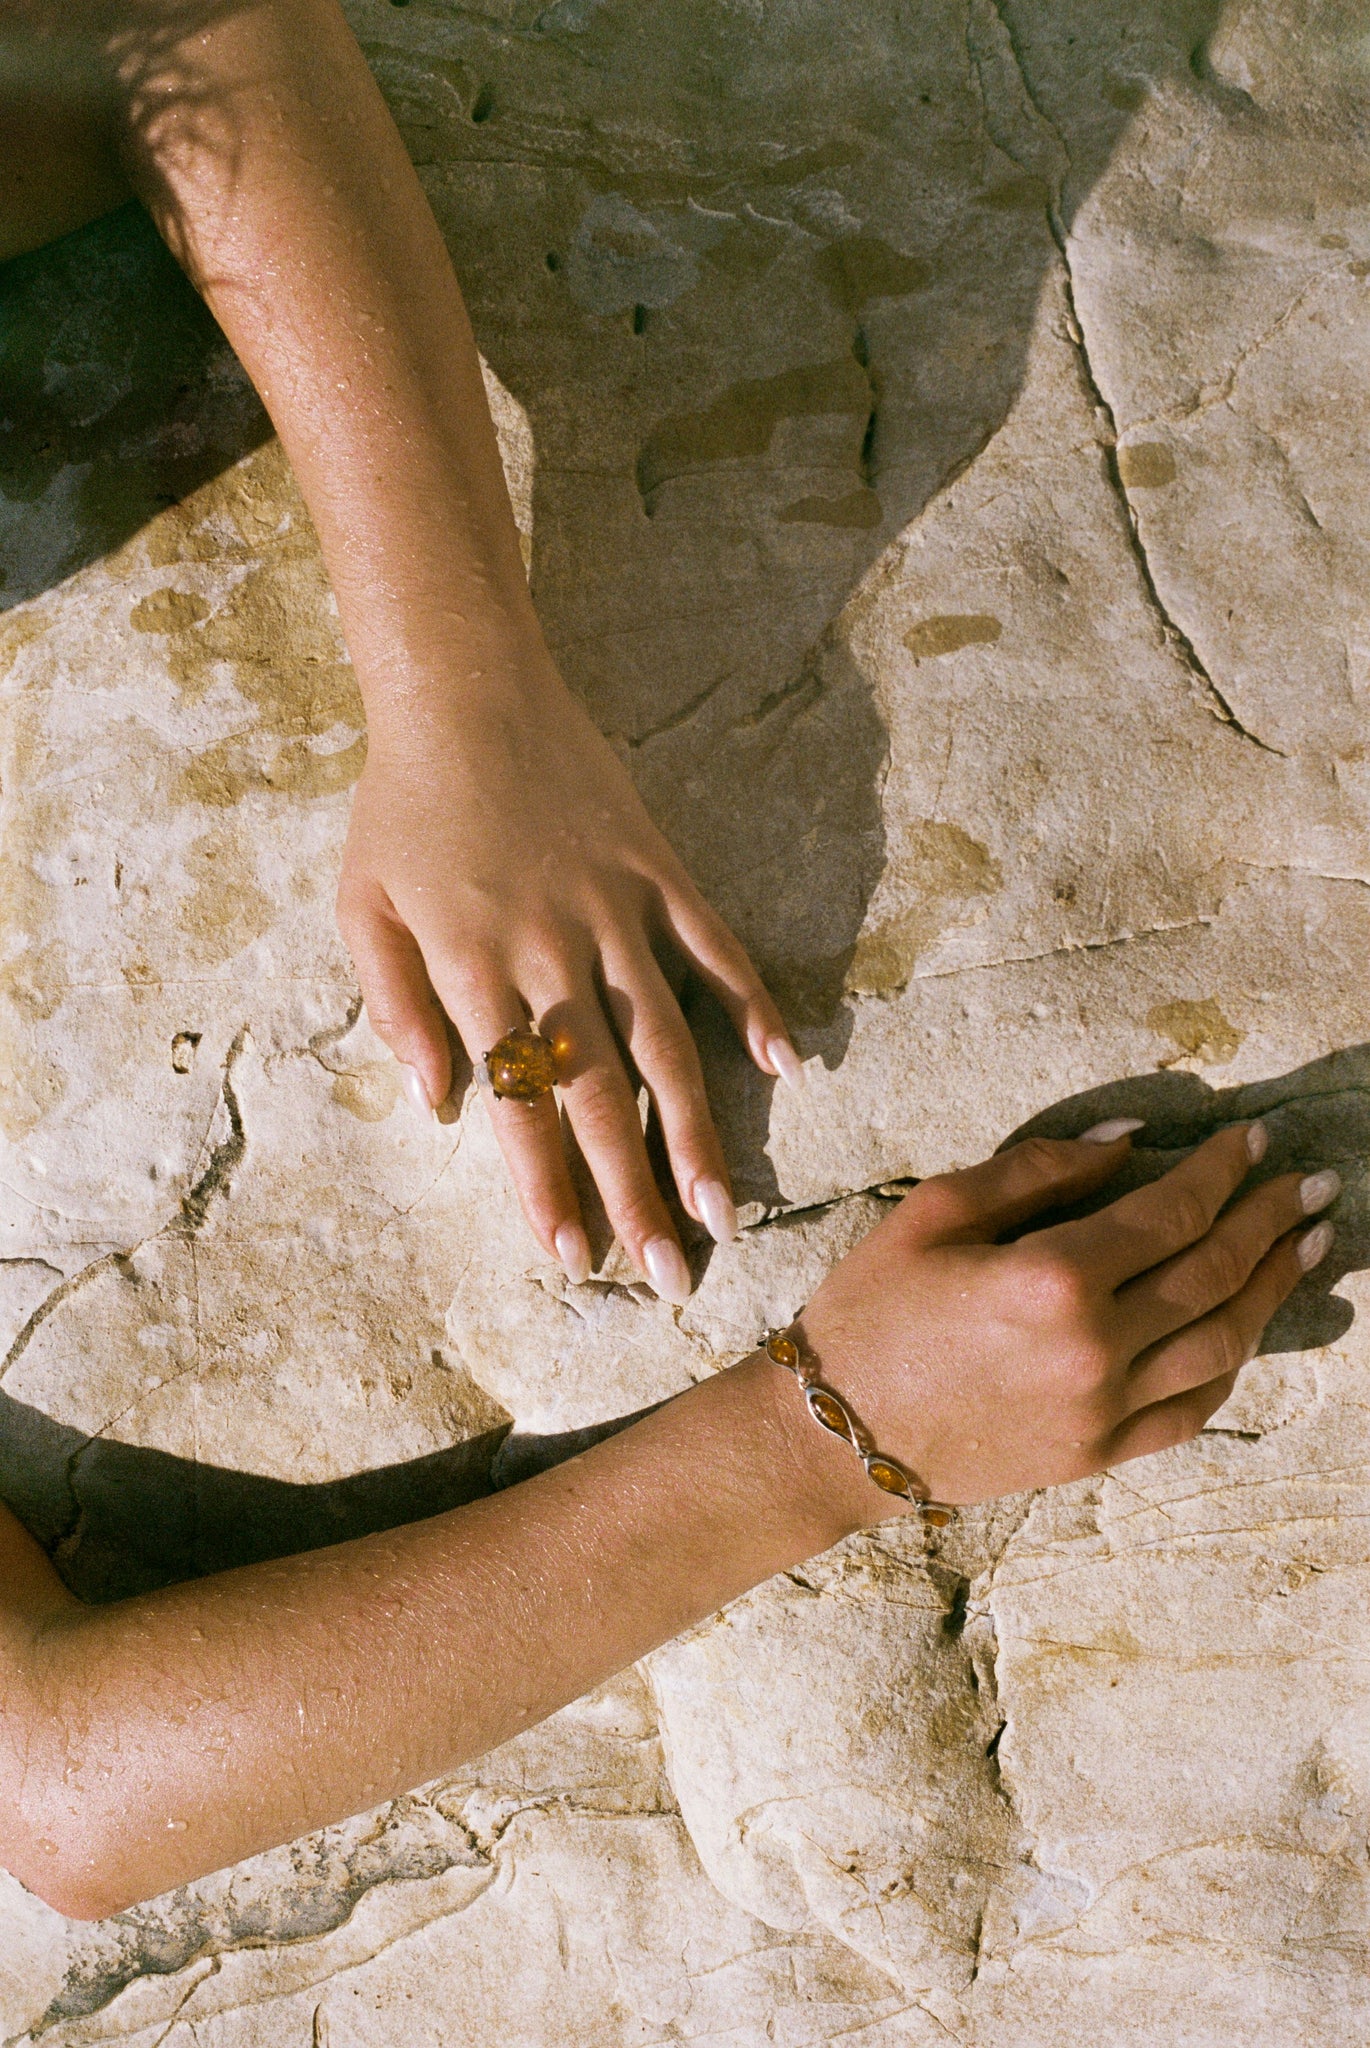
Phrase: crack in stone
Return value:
(52, 1302)
(320, 1907)
(1173, 633)
(1020, 66)
(225, 1157)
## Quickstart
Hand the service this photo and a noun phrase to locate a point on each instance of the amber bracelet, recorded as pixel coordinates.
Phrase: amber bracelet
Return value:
(831, 1411)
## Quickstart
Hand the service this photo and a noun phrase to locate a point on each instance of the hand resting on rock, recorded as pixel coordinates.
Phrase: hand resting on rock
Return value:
(147, 1742)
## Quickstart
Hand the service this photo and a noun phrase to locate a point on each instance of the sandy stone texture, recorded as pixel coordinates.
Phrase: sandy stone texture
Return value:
(939, 433)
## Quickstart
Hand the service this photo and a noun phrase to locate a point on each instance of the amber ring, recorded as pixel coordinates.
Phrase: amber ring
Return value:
(520, 1067)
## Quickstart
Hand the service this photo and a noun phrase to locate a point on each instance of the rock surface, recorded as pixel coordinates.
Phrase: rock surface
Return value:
(941, 437)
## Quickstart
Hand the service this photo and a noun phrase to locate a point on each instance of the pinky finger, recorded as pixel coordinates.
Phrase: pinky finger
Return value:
(1181, 1415)
(722, 964)
(1222, 1341)
(1167, 1423)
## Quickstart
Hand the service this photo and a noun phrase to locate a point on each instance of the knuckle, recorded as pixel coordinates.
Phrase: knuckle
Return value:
(1053, 1286)
(1225, 1270)
(1041, 1157)
(1084, 1375)
(1228, 1349)
(1188, 1212)
(604, 1115)
(665, 1052)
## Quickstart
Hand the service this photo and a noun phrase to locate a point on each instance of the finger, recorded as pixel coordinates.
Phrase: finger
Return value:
(1212, 1271)
(649, 1021)
(601, 1103)
(722, 964)
(400, 1002)
(1171, 1422)
(981, 1202)
(1219, 1343)
(1141, 1229)
(483, 1007)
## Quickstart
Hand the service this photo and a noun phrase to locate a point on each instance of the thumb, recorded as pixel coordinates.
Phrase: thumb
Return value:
(982, 1202)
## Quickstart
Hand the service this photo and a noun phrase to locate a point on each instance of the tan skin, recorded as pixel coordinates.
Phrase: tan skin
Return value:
(144, 1743)
(499, 865)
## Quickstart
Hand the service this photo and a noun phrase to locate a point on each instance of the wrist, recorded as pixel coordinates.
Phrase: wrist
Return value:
(821, 1487)
(502, 681)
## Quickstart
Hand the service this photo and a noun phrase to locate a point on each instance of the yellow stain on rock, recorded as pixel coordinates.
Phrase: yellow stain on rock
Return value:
(1146, 465)
(275, 636)
(225, 909)
(742, 421)
(168, 611)
(858, 508)
(858, 268)
(942, 870)
(948, 632)
(1198, 1030)
(370, 1093)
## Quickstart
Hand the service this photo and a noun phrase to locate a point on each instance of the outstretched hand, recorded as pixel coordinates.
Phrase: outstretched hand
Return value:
(987, 1368)
(504, 868)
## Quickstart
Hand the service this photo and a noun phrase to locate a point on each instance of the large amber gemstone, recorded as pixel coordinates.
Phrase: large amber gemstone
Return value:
(888, 1476)
(827, 1409)
(523, 1066)
(783, 1350)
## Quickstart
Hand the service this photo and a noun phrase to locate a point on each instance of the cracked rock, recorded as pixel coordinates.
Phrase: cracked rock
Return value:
(938, 441)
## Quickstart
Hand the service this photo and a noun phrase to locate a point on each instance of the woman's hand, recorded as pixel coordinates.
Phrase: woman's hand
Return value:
(988, 1368)
(500, 865)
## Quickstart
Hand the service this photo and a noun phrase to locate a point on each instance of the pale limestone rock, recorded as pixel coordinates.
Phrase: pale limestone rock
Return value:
(938, 450)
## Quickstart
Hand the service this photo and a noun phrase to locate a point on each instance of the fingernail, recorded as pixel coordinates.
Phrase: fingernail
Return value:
(416, 1092)
(1314, 1246)
(715, 1206)
(1257, 1141)
(1116, 1127)
(667, 1270)
(1318, 1189)
(573, 1249)
(787, 1063)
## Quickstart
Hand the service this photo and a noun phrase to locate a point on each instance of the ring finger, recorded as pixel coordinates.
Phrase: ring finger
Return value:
(529, 1133)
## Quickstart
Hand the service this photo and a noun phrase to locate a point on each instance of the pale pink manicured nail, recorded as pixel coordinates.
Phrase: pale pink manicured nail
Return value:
(667, 1270)
(415, 1090)
(715, 1206)
(1314, 1246)
(787, 1063)
(1257, 1143)
(1316, 1190)
(573, 1249)
(1116, 1127)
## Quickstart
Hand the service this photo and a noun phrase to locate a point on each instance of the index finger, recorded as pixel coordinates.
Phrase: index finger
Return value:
(1151, 1224)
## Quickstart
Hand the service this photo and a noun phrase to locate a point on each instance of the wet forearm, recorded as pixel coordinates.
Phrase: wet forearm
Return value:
(259, 140)
(195, 1726)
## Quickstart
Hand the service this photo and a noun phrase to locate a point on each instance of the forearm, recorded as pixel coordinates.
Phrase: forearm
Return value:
(257, 137)
(192, 1727)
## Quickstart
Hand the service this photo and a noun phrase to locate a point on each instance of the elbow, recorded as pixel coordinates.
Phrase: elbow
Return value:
(74, 1872)
(75, 1894)
(80, 1858)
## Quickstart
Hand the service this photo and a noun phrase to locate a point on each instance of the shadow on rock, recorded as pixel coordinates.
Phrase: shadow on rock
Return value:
(121, 1519)
(763, 289)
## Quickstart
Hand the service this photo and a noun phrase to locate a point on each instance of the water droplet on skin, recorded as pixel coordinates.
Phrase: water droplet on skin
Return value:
(178, 1827)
